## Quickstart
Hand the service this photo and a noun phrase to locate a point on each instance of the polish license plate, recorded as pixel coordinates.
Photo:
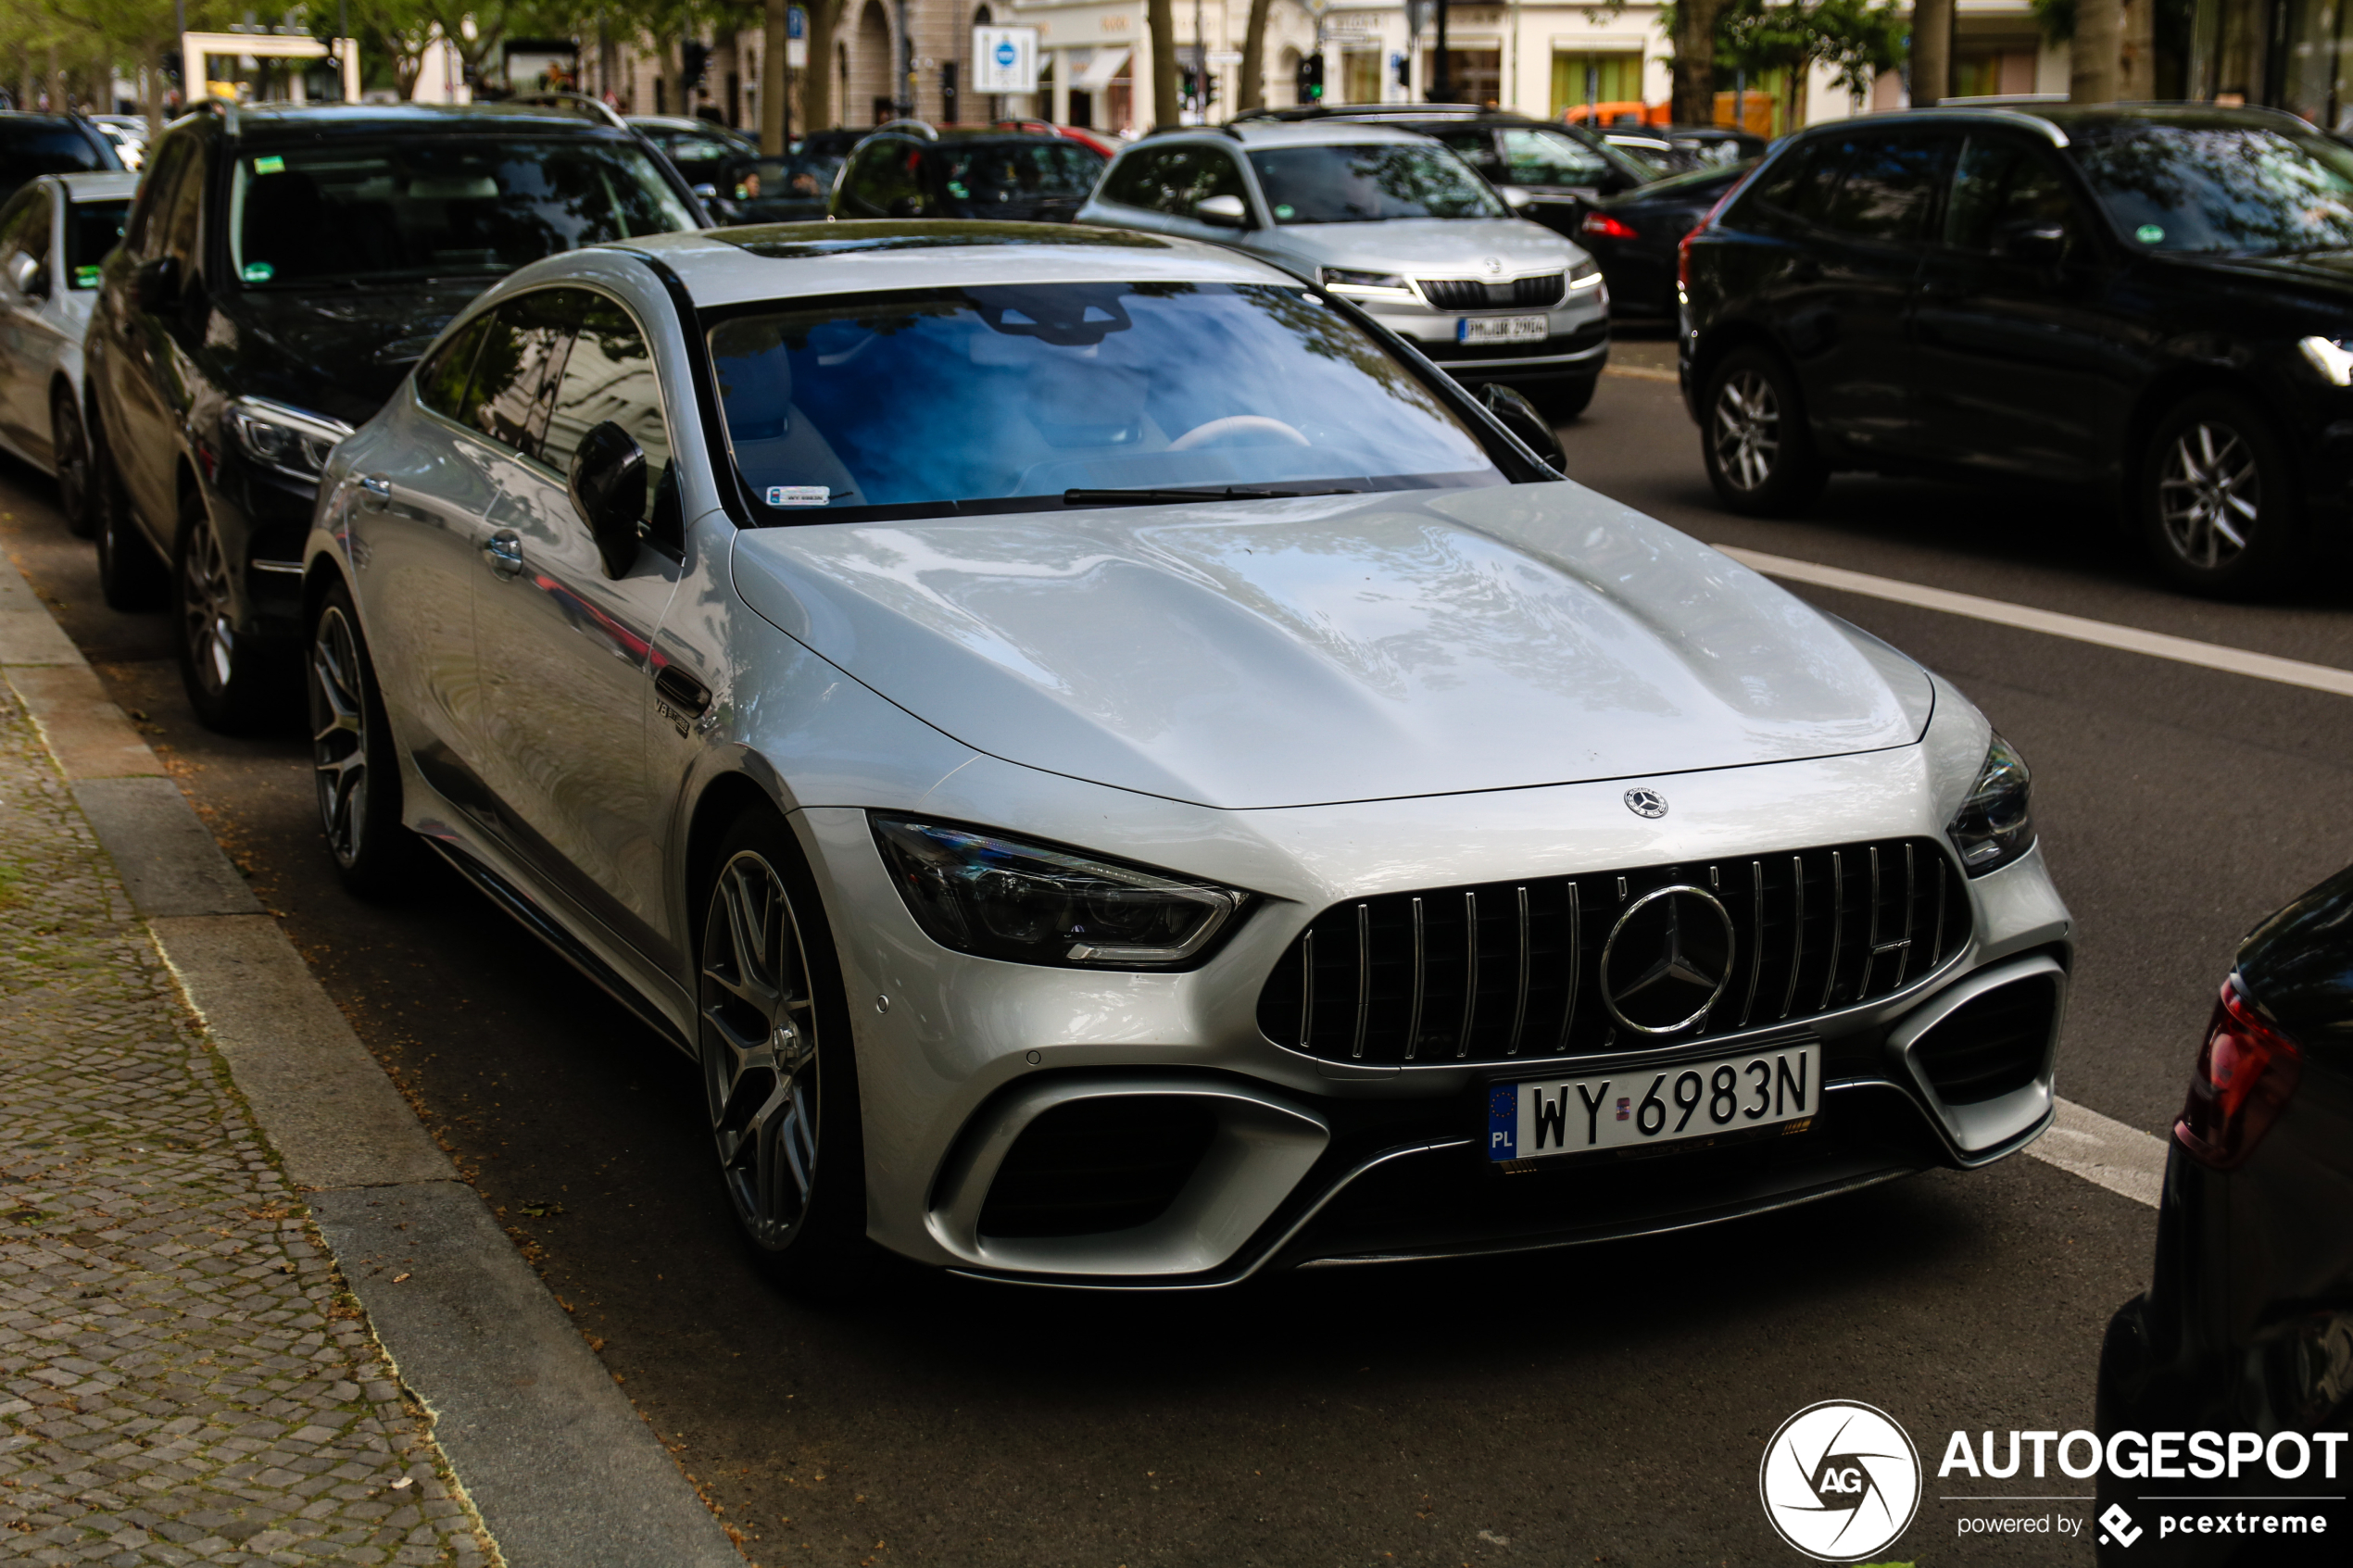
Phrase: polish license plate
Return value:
(1535, 1119)
(1503, 329)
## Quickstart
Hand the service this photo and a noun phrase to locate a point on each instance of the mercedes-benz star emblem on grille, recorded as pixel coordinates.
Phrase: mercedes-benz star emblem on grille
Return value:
(1647, 803)
(1667, 959)
(1495, 264)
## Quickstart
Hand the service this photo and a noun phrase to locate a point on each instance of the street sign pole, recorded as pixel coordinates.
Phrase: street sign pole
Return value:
(1443, 91)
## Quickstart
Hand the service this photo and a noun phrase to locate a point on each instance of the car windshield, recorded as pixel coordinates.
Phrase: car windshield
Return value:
(91, 230)
(2236, 189)
(1004, 397)
(1370, 182)
(340, 212)
(1020, 171)
(779, 179)
(31, 150)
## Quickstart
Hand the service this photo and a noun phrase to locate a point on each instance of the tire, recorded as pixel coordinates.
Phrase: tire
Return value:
(130, 575)
(354, 763)
(780, 1077)
(1759, 453)
(69, 455)
(230, 679)
(1564, 400)
(2217, 502)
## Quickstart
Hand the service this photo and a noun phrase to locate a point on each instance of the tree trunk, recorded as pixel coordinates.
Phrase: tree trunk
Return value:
(817, 110)
(1692, 100)
(2136, 54)
(1253, 92)
(2093, 54)
(1932, 51)
(772, 82)
(1160, 20)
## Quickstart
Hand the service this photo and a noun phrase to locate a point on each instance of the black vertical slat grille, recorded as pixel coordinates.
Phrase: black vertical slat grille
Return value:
(1474, 294)
(1511, 971)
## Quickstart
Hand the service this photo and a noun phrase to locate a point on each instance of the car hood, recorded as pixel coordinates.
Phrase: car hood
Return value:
(1304, 652)
(1428, 247)
(338, 352)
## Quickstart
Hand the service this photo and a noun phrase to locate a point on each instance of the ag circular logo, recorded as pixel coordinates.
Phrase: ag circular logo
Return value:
(1647, 803)
(1667, 959)
(1840, 1481)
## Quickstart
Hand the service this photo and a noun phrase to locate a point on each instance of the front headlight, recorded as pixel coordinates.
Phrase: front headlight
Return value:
(2333, 359)
(292, 441)
(1366, 286)
(1585, 274)
(1995, 824)
(1027, 903)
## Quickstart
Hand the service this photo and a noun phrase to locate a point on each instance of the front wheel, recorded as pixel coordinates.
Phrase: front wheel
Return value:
(1752, 435)
(2217, 506)
(69, 452)
(353, 765)
(229, 679)
(130, 577)
(780, 1078)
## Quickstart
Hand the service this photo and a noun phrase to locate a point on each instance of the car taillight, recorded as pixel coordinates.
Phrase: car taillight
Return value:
(2245, 1072)
(1601, 225)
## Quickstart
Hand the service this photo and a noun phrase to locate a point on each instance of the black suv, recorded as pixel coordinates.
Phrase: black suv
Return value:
(1548, 171)
(910, 170)
(282, 270)
(2155, 302)
(34, 144)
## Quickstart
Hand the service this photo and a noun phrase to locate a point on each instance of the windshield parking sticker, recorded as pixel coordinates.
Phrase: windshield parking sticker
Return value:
(799, 495)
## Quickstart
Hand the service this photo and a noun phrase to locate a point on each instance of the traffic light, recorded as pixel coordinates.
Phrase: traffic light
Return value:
(1188, 88)
(1311, 79)
(1403, 64)
(1209, 88)
(694, 60)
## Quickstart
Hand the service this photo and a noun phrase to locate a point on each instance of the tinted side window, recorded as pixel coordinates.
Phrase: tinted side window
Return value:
(1138, 180)
(182, 223)
(1547, 158)
(885, 183)
(24, 225)
(441, 379)
(1476, 145)
(1797, 188)
(1998, 184)
(1890, 182)
(1177, 180)
(514, 373)
(610, 376)
(155, 196)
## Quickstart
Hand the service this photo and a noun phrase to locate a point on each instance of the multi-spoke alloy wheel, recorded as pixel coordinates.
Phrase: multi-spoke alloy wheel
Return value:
(1759, 451)
(2210, 497)
(69, 452)
(760, 1050)
(339, 735)
(2218, 504)
(1747, 430)
(208, 619)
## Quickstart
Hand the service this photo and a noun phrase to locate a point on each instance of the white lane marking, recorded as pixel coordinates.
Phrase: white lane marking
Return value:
(2130, 639)
(2122, 1159)
(1642, 372)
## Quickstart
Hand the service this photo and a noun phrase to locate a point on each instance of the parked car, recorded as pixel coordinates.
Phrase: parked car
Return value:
(129, 145)
(792, 189)
(1548, 171)
(34, 144)
(1636, 238)
(908, 168)
(697, 146)
(52, 234)
(1108, 146)
(2149, 301)
(1122, 774)
(2247, 1325)
(1708, 144)
(283, 269)
(1392, 221)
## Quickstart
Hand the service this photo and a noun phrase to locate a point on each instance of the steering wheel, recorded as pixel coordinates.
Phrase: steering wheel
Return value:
(1237, 424)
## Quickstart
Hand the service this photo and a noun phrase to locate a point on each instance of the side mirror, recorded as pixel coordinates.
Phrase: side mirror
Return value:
(28, 276)
(2031, 243)
(608, 488)
(1223, 212)
(706, 192)
(1515, 413)
(155, 286)
(1514, 196)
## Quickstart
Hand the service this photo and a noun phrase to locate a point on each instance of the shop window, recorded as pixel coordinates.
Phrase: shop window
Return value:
(1581, 78)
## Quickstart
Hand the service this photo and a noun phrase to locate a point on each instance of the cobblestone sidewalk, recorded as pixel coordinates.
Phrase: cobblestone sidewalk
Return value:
(182, 1377)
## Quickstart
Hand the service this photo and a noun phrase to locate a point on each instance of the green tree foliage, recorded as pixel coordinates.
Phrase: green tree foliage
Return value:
(1857, 39)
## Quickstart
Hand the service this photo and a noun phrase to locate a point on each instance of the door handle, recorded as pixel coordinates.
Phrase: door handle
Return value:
(375, 492)
(503, 551)
(682, 691)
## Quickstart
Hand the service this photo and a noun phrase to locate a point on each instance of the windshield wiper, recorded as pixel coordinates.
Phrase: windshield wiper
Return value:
(1146, 496)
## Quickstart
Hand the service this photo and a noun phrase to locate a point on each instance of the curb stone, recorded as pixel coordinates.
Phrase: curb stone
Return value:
(557, 1464)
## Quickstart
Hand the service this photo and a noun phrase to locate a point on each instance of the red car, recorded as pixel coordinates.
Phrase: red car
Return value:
(1105, 145)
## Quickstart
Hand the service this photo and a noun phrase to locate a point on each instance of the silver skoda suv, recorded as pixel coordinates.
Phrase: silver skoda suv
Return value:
(1392, 221)
(1119, 773)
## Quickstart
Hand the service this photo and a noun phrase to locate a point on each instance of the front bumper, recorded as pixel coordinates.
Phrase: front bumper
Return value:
(1576, 344)
(262, 520)
(1296, 1161)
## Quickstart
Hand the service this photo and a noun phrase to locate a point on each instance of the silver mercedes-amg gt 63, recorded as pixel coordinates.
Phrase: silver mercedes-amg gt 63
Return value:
(1122, 774)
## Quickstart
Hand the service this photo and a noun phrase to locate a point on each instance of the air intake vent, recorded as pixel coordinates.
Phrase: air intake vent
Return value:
(1539, 291)
(1619, 961)
(1991, 1044)
(1455, 294)
(1470, 294)
(1094, 1165)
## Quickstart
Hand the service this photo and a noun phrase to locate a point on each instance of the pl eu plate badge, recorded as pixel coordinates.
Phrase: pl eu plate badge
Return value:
(1502, 1121)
